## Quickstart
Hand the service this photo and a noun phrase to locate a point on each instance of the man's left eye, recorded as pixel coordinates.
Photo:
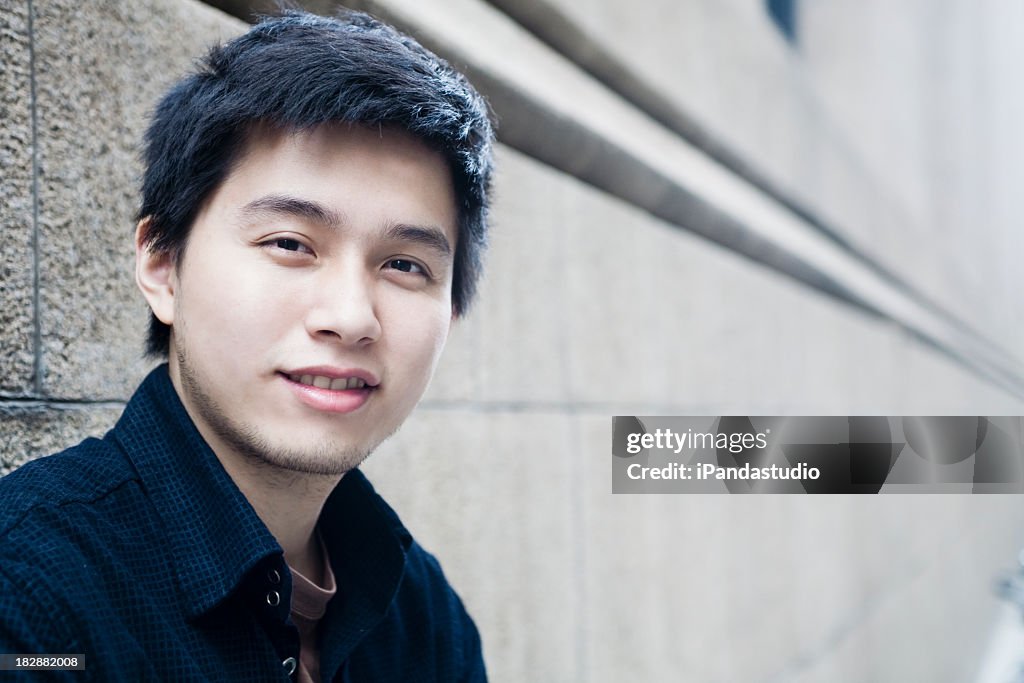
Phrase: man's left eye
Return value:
(288, 245)
(406, 266)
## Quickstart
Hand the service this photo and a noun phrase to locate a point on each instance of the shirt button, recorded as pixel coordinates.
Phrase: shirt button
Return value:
(289, 665)
(274, 576)
(273, 598)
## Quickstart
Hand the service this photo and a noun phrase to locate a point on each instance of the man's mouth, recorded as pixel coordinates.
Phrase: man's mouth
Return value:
(341, 391)
(334, 384)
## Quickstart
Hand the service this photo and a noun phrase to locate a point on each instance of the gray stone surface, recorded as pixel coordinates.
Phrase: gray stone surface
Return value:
(92, 108)
(28, 432)
(908, 600)
(924, 109)
(492, 494)
(17, 350)
(621, 311)
(889, 122)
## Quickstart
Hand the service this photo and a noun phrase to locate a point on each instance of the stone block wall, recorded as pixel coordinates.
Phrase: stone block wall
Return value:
(591, 307)
(78, 82)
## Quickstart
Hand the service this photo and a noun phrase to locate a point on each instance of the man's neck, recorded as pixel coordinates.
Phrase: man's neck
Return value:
(289, 503)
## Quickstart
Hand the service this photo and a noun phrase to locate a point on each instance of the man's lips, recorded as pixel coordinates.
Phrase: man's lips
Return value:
(331, 390)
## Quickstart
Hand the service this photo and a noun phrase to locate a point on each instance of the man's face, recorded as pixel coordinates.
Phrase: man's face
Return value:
(313, 298)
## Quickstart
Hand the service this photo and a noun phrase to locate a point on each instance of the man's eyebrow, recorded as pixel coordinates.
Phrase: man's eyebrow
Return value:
(287, 205)
(426, 235)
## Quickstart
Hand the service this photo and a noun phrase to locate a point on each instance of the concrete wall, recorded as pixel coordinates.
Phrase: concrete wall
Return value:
(593, 307)
(890, 121)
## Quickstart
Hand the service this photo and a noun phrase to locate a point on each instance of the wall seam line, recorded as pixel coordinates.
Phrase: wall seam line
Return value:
(58, 403)
(37, 332)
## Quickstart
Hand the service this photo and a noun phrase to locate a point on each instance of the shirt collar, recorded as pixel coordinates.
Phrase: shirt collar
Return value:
(357, 524)
(197, 500)
(368, 548)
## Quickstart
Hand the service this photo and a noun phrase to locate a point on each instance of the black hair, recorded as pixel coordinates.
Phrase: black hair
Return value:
(295, 72)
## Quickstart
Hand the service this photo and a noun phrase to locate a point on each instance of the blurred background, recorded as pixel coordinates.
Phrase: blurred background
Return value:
(703, 207)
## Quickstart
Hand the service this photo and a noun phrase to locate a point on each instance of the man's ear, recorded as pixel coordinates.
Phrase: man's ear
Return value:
(155, 275)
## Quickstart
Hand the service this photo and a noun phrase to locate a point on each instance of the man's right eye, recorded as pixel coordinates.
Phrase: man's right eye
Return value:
(288, 244)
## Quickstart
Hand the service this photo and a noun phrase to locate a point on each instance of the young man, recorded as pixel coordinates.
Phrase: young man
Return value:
(314, 208)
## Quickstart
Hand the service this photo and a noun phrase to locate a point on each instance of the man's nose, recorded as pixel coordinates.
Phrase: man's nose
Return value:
(344, 308)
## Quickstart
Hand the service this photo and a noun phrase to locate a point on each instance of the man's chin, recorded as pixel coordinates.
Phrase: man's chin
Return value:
(325, 459)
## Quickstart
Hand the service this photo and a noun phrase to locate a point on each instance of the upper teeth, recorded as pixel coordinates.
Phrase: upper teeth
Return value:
(328, 383)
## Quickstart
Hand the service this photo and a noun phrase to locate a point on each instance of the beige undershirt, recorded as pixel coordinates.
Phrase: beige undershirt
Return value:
(309, 602)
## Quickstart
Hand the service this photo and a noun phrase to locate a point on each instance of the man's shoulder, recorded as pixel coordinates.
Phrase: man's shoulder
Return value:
(424, 625)
(426, 628)
(86, 567)
(58, 490)
(425, 578)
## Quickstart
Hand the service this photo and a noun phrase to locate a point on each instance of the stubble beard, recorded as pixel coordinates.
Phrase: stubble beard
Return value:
(327, 458)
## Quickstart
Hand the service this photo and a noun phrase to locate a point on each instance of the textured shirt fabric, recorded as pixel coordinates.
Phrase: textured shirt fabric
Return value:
(138, 551)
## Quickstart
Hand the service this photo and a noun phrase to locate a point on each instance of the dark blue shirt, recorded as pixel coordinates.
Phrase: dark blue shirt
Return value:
(139, 552)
